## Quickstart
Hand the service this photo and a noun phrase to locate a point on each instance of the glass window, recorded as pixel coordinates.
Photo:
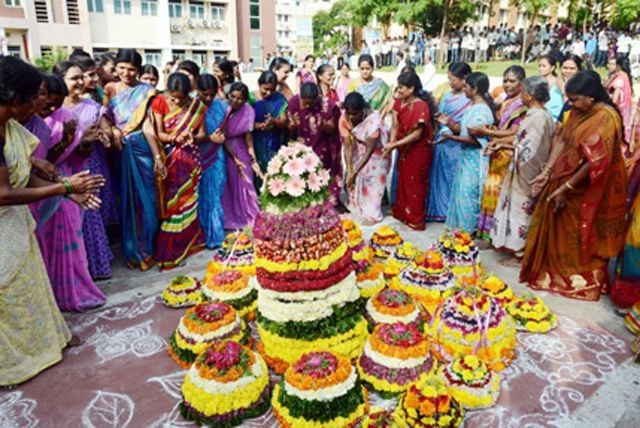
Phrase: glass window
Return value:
(200, 58)
(175, 9)
(95, 6)
(255, 49)
(149, 7)
(12, 3)
(153, 57)
(13, 50)
(217, 12)
(254, 14)
(196, 10)
(178, 54)
(122, 7)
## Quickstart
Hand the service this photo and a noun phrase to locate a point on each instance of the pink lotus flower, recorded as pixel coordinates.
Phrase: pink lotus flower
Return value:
(295, 167)
(295, 186)
(310, 162)
(314, 183)
(324, 177)
(276, 186)
(274, 165)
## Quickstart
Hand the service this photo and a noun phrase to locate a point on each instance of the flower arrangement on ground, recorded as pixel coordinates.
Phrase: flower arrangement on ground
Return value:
(384, 241)
(400, 259)
(181, 292)
(531, 314)
(236, 253)
(320, 390)
(369, 274)
(232, 287)
(497, 289)
(395, 356)
(380, 418)
(389, 306)
(472, 322)
(427, 279)
(227, 384)
(460, 253)
(471, 382)
(429, 403)
(203, 325)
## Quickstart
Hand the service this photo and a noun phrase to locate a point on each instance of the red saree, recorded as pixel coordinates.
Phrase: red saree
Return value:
(414, 162)
(567, 251)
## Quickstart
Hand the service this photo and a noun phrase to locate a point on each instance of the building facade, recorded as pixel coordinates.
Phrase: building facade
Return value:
(286, 16)
(256, 30)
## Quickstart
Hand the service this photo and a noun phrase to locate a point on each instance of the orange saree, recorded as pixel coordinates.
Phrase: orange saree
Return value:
(567, 251)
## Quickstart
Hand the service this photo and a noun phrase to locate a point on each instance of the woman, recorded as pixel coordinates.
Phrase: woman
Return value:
(411, 134)
(471, 172)
(270, 129)
(374, 90)
(326, 79)
(213, 164)
(281, 67)
(90, 116)
(531, 150)
(579, 221)
(32, 330)
(569, 66)
(446, 153)
(89, 69)
(344, 79)
(547, 69)
(620, 88)
(127, 102)
(240, 200)
(511, 113)
(106, 69)
(223, 71)
(314, 120)
(179, 127)
(305, 74)
(149, 75)
(60, 220)
(363, 138)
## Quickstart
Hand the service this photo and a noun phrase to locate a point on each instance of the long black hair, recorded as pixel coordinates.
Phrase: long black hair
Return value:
(130, 56)
(552, 60)
(190, 67)
(227, 68)
(63, 67)
(480, 82)
(368, 59)
(55, 84)
(278, 63)
(319, 72)
(411, 80)
(179, 82)
(240, 87)
(206, 82)
(309, 91)
(355, 101)
(459, 69)
(268, 78)
(150, 69)
(624, 65)
(589, 84)
(517, 71)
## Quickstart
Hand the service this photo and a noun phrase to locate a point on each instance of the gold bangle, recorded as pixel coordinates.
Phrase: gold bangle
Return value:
(158, 156)
(569, 185)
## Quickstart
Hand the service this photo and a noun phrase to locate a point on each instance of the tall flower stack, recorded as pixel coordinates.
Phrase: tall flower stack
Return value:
(307, 296)
(232, 287)
(461, 254)
(369, 274)
(236, 253)
(320, 390)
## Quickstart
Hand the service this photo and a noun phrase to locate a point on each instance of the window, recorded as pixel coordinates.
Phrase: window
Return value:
(196, 10)
(254, 15)
(15, 51)
(255, 49)
(73, 12)
(178, 54)
(95, 6)
(200, 58)
(149, 7)
(217, 12)
(42, 11)
(122, 7)
(12, 3)
(153, 57)
(175, 9)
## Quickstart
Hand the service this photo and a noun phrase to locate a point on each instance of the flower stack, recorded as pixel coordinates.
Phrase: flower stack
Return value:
(498, 289)
(532, 314)
(227, 384)
(232, 287)
(368, 274)
(379, 418)
(389, 306)
(400, 259)
(471, 382)
(236, 253)
(320, 390)
(384, 241)
(472, 322)
(460, 254)
(427, 279)
(394, 356)
(429, 403)
(203, 325)
(181, 292)
(307, 297)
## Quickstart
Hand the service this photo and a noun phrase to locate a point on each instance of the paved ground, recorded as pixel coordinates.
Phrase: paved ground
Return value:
(616, 404)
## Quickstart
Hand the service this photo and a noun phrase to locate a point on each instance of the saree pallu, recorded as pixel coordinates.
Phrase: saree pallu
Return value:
(214, 176)
(511, 114)
(567, 251)
(414, 162)
(239, 200)
(376, 93)
(625, 103)
(267, 142)
(342, 87)
(445, 159)
(180, 233)
(32, 330)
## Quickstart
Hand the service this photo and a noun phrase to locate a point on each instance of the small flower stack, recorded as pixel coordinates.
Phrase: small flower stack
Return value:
(232, 287)
(471, 382)
(384, 241)
(429, 403)
(378, 418)
(236, 253)
(389, 306)
(203, 325)
(498, 289)
(395, 356)
(227, 384)
(400, 259)
(368, 274)
(460, 254)
(320, 390)
(532, 314)
(181, 292)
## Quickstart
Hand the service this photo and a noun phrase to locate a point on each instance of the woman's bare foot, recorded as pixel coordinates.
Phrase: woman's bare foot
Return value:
(510, 261)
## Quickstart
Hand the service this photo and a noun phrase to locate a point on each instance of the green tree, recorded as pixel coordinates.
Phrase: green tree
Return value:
(533, 9)
(625, 12)
(46, 62)
(363, 12)
(428, 15)
(330, 28)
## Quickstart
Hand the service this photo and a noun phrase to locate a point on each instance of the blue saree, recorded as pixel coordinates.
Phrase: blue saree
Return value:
(267, 142)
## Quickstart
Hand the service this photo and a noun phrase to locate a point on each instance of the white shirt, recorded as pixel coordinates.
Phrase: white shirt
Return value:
(635, 46)
(484, 43)
(623, 43)
(428, 77)
(603, 41)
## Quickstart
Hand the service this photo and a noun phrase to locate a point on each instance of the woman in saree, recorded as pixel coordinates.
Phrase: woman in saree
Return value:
(374, 90)
(620, 88)
(326, 83)
(60, 220)
(127, 103)
(179, 126)
(531, 151)
(579, 221)
(306, 74)
(445, 154)
(281, 67)
(344, 79)
(240, 200)
(90, 116)
(314, 121)
(212, 163)
(471, 172)
(411, 134)
(547, 69)
(32, 330)
(511, 113)
(363, 137)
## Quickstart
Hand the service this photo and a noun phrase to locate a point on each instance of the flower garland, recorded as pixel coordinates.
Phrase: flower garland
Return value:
(471, 382)
(311, 221)
(182, 291)
(322, 263)
(532, 314)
